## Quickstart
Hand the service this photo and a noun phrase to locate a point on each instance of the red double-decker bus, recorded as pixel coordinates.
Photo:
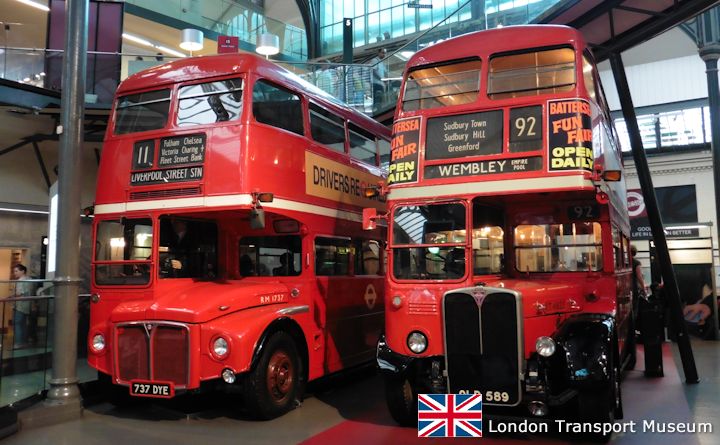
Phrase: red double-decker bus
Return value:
(229, 251)
(509, 269)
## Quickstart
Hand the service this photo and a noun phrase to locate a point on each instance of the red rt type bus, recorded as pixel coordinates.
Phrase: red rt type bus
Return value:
(229, 251)
(509, 269)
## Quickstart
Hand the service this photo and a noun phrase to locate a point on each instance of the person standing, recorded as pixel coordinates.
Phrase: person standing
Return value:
(379, 72)
(21, 310)
(638, 279)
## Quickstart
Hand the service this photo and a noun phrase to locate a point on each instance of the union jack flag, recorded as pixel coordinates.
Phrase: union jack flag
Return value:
(449, 415)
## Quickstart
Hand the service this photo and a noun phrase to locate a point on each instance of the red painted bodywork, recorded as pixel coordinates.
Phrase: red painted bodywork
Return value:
(241, 157)
(524, 201)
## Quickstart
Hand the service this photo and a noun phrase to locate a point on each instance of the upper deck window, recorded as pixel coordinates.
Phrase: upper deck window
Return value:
(443, 85)
(327, 128)
(210, 102)
(532, 73)
(362, 144)
(278, 107)
(142, 112)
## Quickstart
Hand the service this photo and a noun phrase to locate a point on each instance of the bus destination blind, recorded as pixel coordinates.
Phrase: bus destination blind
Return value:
(180, 159)
(480, 168)
(464, 135)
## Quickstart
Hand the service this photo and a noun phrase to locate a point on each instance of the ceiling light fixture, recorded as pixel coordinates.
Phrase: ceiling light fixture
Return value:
(268, 44)
(192, 39)
(35, 5)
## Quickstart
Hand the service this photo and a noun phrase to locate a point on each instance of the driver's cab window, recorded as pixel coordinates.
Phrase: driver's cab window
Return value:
(487, 239)
(188, 248)
(266, 256)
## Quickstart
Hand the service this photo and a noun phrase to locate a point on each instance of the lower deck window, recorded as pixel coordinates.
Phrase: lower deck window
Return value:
(188, 248)
(266, 256)
(573, 247)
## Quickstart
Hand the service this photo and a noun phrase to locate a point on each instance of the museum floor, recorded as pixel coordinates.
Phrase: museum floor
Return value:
(351, 410)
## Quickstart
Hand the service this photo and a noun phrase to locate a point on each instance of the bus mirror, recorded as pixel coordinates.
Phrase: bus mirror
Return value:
(612, 175)
(257, 218)
(370, 217)
(265, 197)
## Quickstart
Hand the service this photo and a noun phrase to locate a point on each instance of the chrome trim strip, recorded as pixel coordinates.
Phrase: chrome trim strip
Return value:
(294, 310)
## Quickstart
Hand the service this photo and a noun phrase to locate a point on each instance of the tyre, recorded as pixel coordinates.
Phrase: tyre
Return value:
(631, 346)
(274, 386)
(602, 405)
(402, 400)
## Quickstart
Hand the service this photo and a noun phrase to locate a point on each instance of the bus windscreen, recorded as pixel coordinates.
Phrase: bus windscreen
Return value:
(532, 73)
(448, 84)
(142, 111)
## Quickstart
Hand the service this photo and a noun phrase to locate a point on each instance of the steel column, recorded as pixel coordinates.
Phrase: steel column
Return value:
(63, 384)
(671, 289)
(710, 55)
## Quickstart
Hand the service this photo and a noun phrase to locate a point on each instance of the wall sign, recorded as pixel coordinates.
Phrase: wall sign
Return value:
(404, 148)
(464, 135)
(228, 44)
(677, 205)
(480, 168)
(570, 135)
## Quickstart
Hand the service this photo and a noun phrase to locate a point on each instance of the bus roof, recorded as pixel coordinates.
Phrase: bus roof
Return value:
(488, 42)
(206, 67)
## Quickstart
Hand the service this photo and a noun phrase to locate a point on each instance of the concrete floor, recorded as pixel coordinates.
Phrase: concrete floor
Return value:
(351, 410)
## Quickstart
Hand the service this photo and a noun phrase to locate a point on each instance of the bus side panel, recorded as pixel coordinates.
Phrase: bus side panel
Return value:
(244, 329)
(227, 150)
(355, 318)
(272, 161)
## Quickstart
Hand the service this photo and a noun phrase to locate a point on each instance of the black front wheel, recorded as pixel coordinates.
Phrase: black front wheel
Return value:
(273, 387)
(402, 400)
(602, 406)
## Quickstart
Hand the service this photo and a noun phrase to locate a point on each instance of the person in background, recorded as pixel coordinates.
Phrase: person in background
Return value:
(638, 279)
(22, 308)
(379, 72)
(286, 266)
(247, 267)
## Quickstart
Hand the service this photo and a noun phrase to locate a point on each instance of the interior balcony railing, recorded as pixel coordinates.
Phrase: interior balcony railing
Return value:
(226, 17)
(372, 87)
(26, 331)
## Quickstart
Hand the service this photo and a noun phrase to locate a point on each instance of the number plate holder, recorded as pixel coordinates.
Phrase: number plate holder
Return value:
(153, 389)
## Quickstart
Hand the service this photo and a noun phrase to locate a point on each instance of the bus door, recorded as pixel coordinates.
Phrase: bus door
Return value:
(351, 288)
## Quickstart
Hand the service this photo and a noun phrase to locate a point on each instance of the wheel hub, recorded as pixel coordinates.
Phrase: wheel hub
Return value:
(280, 376)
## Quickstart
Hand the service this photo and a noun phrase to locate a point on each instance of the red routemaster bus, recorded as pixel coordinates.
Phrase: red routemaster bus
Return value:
(229, 251)
(509, 266)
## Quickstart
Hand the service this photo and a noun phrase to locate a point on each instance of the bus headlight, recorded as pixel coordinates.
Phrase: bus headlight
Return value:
(545, 346)
(417, 342)
(220, 348)
(98, 343)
